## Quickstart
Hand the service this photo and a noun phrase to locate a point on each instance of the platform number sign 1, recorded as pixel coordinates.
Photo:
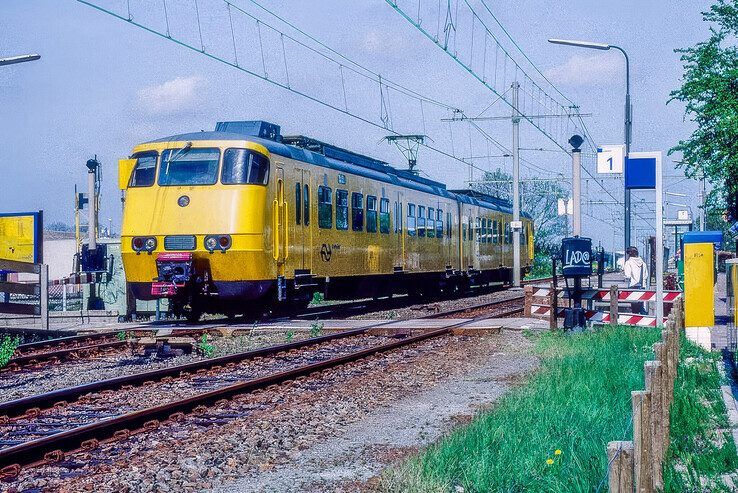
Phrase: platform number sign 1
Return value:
(610, 159)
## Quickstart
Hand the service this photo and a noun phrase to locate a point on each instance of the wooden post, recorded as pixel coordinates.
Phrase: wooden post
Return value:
(614, 305)
(528, 289)
(641, 402)
(620, 468)
(654, 384)
(553, 320)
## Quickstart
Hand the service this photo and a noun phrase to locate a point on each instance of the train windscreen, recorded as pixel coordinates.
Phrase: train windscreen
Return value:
(189, 166)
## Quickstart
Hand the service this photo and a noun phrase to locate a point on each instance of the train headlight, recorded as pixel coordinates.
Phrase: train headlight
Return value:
(150, 244)
(211, 243)
(217, 242)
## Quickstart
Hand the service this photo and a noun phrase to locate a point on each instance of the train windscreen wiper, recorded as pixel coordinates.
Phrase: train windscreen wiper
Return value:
(176, 155)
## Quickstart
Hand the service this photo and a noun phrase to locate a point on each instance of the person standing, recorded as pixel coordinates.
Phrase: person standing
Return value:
(636, 273)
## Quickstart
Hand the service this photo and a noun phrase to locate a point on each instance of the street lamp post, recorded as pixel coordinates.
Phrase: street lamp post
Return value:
(628, 115)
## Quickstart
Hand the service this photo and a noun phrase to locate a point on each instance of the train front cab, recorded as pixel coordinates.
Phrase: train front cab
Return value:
(194, 223)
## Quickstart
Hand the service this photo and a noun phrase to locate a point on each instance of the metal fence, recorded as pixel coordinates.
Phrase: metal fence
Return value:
(26, 298)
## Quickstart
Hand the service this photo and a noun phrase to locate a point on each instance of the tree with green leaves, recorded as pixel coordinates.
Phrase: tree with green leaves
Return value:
(539, 198)
(710, 93)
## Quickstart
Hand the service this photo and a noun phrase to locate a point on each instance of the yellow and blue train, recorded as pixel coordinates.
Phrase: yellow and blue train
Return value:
(243, 218)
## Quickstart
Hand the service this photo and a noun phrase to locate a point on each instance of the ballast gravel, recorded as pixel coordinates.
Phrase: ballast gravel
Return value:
(327, 432)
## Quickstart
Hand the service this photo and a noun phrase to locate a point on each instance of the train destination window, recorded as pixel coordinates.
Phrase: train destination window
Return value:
(145, 171)
(325, 207)
(439, 223)
(411, 219)
(189, 166)
(357, 211)
(431, 226)
(298, 201)
(342, 209)
(243, 166)
(306, 199)
(371, 214)
(384, 216)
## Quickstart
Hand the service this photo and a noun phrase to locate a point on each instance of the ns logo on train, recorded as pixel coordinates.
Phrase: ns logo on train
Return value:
(326, 251)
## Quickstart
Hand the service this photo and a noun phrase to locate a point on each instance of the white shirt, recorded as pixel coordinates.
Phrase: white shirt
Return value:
(636, 272)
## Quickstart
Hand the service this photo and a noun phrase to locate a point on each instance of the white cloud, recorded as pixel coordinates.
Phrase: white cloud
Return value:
(173, 96)
(600, 68)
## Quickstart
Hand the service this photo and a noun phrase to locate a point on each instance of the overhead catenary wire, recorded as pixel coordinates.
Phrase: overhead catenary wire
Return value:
(347, 64)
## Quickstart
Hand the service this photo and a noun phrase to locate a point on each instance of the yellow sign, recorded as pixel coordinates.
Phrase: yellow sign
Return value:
(18, 237)
(699, 285)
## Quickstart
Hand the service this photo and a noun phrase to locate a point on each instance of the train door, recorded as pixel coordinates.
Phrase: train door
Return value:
(303, 238)
(280, 242)
(401, 259)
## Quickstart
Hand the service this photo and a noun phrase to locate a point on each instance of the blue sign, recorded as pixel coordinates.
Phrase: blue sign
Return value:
(640, 173)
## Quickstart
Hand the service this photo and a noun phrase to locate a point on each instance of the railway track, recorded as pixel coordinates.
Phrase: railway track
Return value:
(37, 355)
(44, 428)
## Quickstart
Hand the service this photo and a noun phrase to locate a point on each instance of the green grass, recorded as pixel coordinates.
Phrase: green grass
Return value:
(701, 452)
(7, 348)
(577, 402)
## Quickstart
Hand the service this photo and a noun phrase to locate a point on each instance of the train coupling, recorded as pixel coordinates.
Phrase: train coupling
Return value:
(175, 271)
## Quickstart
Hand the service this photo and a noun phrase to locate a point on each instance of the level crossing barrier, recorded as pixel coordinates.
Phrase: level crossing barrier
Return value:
(38, 289)
(544, 302)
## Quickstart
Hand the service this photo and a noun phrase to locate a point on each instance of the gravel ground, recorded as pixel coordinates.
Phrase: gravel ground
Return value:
(14, 385)
(423, 309)
(347, 419)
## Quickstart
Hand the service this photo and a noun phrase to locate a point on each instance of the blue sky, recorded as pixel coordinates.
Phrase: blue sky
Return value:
(102, 85)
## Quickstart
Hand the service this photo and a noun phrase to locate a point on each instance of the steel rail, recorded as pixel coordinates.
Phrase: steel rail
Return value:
(480, 306)
(18, 407)
(62, 342)
(53, 447)
(18, 362)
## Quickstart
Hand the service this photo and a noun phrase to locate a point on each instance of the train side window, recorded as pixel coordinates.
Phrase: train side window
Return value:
(384, 216)
(482, 230)
(325, 207)
(357, 211)
(463, 231)
(507, 233)
(439, 223)
(431, 226)
(397, 216)
(448, 224)
(471, 230)
(145, 171)
(371, 214)
(298, 201)
(493, 233)
(242, 166)
(411, 219)
(306, 200)
(421, 220)
(342, 209)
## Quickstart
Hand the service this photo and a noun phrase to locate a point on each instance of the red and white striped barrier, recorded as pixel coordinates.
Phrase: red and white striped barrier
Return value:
(602, 317)
(632, 295)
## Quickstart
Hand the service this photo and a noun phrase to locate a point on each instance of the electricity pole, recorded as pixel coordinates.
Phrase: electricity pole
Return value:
(516, 184)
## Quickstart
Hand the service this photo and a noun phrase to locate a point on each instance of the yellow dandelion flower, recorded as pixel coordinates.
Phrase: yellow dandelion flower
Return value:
(549, 461)
(558, 452)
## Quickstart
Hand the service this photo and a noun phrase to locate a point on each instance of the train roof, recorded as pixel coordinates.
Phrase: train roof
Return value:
(326, 155)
